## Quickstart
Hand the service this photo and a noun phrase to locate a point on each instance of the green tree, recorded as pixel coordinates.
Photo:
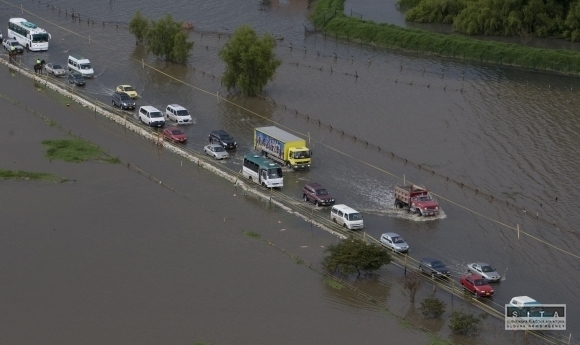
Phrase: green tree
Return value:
(139, 26)
(250, 61)
(432, 308)
(465, 323)
(355, 255)
(164, 38)
(573, 22)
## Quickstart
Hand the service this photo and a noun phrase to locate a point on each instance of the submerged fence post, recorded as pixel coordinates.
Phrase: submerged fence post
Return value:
(518, 227)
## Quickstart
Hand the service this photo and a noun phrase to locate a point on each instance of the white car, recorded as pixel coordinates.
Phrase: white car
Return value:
(55, 69)
(216, 151)
(395, 242)
(178, 114)
(484, 270)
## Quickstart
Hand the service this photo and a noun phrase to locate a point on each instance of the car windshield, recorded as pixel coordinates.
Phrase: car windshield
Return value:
(125, 98)
(437, 264)
(274, 173)
(14, 43)
(57, 67)
(85, 66)
(487, 269)
(424, 198)
(77, 76)
(218, 149)
(182, 112)
(40, 38)
(176, 131)
(479, 282)
(321, 192)
(156, 114)
(354, 216)
(225, 137)
(128, 88)
(398, 240)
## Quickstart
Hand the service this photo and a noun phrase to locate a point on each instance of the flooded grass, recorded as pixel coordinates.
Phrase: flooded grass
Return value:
(27, 175)
(252, 234)
(333, 283)
(76, 151)
(435, 341)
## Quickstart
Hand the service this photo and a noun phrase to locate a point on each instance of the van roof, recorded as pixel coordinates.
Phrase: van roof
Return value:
(344, 208)
(176, 107)
(77, 57)
(149, 108)
(524, 300)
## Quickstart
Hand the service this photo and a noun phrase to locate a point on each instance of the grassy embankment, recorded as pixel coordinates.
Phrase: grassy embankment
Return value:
(27, 175)
(76, 151)
(328, 16)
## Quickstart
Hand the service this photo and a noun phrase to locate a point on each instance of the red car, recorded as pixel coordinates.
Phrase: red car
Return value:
(476, 284)
(174, 134)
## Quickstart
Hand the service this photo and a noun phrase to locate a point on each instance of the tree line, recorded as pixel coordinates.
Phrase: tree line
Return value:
(250, 59)
(539, 18)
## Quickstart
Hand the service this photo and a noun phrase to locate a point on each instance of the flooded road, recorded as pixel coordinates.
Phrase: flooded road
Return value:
(509, 133)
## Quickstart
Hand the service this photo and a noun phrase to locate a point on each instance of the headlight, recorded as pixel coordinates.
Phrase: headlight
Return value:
(235, 143)
(436, 207)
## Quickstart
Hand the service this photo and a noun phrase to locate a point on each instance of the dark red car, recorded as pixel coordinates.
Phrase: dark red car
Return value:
(477, 285)
(174, 134)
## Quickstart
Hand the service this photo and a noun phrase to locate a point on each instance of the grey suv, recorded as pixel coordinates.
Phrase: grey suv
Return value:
(123, 101)
(222, 138)
(314, 192)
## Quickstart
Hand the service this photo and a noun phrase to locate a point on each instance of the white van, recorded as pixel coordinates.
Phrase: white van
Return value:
(81, 65)
(151, 116)
(179, 114)
(346, 216)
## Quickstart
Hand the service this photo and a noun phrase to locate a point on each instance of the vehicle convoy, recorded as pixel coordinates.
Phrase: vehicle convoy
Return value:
(262, 171)
(282, 147)
(416, 200)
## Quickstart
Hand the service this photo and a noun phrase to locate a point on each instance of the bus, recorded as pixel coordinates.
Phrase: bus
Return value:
(262, 171)
(28, 34)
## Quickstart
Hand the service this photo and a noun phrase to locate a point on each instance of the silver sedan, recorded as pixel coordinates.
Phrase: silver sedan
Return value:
(484, 270)
(55, 69)
(216, 151)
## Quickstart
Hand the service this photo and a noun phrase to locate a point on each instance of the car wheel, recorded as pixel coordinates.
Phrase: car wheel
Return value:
(421, 269)
(432, 274)
(316, 203)
(305, 198)
(334, 220)
(475, 294)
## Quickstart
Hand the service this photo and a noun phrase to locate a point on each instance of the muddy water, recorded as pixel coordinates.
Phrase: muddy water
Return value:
(510, 133)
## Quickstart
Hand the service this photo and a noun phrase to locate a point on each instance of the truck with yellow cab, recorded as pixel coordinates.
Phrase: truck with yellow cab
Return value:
(282, 147)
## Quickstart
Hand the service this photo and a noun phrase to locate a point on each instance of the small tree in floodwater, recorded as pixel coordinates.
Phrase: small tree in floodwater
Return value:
(354, 255)
(411, 283)
(164, 38)
(250, 61)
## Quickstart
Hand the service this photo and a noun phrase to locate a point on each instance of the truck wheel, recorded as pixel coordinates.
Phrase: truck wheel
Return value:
(419, 213)
(398, 204)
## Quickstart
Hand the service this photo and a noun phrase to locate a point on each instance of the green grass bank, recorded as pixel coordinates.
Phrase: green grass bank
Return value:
(328, 16)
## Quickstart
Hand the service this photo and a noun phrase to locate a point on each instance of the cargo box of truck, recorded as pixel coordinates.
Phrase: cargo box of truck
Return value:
(282, 147)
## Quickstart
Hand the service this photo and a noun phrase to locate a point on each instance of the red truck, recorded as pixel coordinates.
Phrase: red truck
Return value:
(416, 200)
